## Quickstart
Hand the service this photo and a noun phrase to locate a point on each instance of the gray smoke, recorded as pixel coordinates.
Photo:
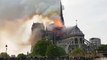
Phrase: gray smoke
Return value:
(14, 21)
(14, 9)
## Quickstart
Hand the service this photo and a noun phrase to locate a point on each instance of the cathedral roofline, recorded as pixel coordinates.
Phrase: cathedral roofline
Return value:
(74, 31)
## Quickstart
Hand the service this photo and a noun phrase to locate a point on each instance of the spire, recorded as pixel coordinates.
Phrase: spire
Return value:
(6, 47)
(61, 12)
(76, 22)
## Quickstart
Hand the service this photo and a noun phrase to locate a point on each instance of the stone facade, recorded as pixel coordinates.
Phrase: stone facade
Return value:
(73, 38)
(96, 41)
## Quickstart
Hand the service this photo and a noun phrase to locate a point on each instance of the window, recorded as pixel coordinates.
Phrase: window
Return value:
(76, 41)
(81, 41)
(72, 42)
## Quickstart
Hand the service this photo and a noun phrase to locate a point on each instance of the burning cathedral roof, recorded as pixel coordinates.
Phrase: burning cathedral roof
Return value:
(74, 31)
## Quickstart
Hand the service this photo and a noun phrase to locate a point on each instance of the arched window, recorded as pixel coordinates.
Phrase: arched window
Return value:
(81, 41)
(76, 41)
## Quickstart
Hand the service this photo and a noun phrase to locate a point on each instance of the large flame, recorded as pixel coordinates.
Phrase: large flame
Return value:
(58, 23)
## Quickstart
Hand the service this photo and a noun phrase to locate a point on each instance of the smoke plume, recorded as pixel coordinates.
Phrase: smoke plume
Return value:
(17, 17)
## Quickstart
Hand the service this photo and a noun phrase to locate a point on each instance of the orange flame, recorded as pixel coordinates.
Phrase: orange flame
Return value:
(58, 23)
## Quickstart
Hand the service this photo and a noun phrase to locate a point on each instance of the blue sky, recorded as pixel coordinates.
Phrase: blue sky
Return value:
(91, 16)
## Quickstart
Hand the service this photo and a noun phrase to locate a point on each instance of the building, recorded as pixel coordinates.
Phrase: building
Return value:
(67, 38)
(36, 26)
(37, 32)
(96, 41)
(73, 38)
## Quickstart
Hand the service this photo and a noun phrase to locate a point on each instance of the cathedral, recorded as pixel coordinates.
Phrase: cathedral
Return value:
(73, 38)
(67, 38)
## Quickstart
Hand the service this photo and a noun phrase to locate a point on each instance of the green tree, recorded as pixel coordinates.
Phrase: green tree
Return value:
(78, 52)
(61, 51)
(21, 56)
(4, 55)
(102, 49)
(40, 48)
(45, 47)
(54, 51)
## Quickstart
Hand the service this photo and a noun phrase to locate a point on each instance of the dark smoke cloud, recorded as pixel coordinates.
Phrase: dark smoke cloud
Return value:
(14, 9)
